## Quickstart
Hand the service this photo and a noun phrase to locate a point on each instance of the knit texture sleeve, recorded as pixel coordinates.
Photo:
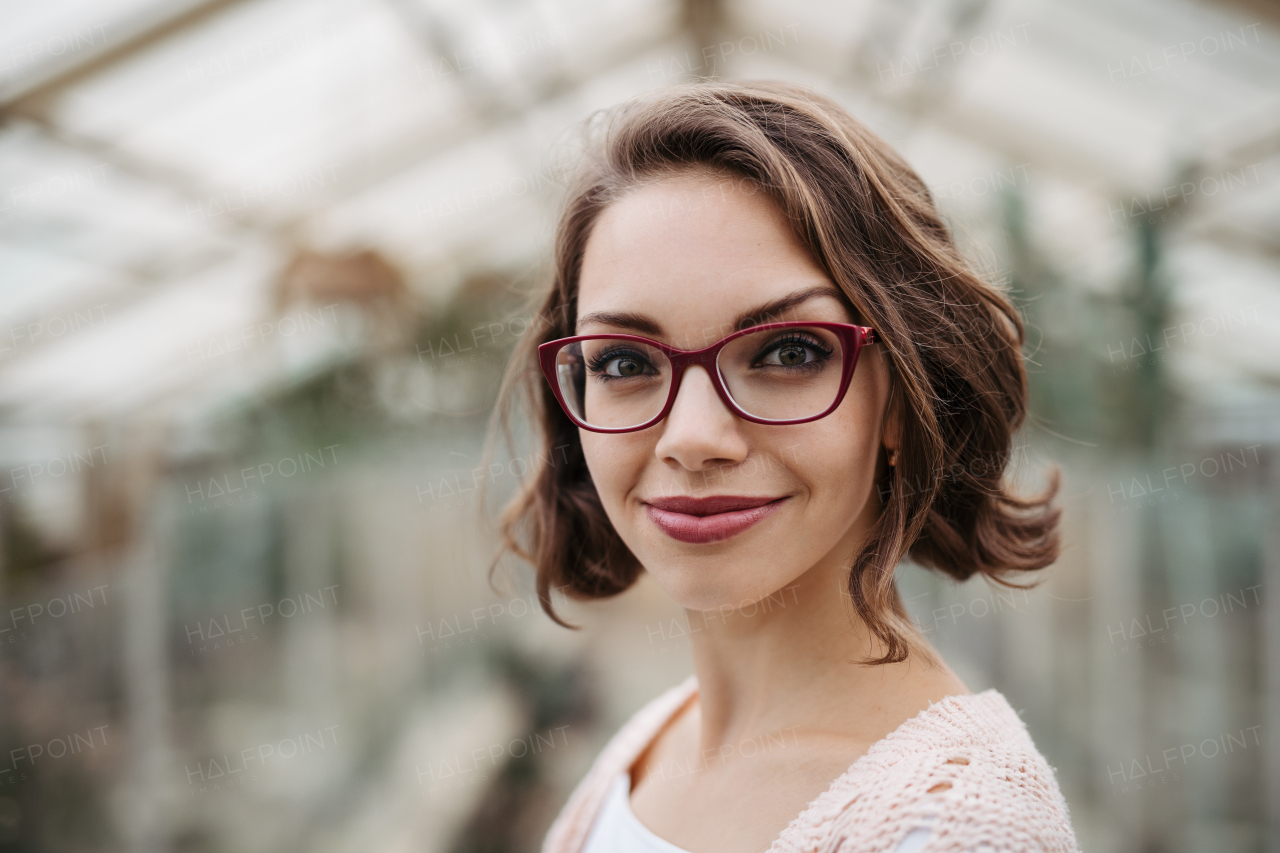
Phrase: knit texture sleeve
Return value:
(966, 779)
(961, 777)
(985, 805)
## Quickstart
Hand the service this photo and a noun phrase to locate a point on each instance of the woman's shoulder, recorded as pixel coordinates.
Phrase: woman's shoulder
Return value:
(962, 774)
(574, 821)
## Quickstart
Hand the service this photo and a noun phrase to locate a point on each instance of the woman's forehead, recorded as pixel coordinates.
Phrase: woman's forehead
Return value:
(682, 253)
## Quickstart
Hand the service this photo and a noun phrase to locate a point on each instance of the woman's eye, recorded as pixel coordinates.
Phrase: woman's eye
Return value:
(789, 355)
(619, 365)
(624, 367)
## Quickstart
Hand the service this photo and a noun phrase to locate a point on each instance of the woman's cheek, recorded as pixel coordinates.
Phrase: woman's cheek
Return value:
(612, 465)
(839, 465)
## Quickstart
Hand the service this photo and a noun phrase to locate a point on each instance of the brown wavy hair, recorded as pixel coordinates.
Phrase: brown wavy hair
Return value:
(952, 340)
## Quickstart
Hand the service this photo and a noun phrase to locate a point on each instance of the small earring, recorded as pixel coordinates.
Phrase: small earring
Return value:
(893, 458)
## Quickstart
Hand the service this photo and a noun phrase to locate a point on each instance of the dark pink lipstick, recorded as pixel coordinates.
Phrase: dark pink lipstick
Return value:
(710, 519)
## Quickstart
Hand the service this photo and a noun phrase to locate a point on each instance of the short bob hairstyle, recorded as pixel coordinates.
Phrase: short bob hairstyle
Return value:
(953, 343)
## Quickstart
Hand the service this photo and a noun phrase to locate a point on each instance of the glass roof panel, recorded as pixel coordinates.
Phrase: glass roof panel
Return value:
(281, 95)
(427, 129)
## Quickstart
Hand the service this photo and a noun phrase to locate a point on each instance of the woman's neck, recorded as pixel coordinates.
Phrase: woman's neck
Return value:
(793, 661)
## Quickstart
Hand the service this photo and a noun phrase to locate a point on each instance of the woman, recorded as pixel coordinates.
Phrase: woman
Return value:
(777, 378)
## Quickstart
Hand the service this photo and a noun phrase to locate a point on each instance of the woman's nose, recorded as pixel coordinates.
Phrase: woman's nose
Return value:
(700, 431)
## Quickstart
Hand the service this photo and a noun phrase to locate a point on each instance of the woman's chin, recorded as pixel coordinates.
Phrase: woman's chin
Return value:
(722, 599)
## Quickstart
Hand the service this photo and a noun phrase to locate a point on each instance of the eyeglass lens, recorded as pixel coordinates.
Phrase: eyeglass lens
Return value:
(776, 374)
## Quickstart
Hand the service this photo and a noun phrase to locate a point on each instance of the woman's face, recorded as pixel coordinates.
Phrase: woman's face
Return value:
(689, 255)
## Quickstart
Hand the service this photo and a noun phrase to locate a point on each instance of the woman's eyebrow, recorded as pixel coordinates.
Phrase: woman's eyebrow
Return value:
(639, 323)
(771, 312)
(767, 312)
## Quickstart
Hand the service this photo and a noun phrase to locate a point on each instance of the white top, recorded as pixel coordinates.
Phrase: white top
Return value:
(618, 830)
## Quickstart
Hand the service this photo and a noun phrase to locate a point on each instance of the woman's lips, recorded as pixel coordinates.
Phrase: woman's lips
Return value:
(704, 520)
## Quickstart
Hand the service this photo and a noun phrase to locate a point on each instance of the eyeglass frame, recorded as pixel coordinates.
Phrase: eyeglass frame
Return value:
(852, 337)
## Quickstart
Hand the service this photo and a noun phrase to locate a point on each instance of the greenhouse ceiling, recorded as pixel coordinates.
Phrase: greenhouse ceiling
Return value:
(161, 162)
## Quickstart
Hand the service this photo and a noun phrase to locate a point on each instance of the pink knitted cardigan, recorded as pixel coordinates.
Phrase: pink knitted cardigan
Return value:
(1002, 795)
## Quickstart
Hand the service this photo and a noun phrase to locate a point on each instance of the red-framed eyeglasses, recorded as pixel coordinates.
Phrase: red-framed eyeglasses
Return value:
(776, 373)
